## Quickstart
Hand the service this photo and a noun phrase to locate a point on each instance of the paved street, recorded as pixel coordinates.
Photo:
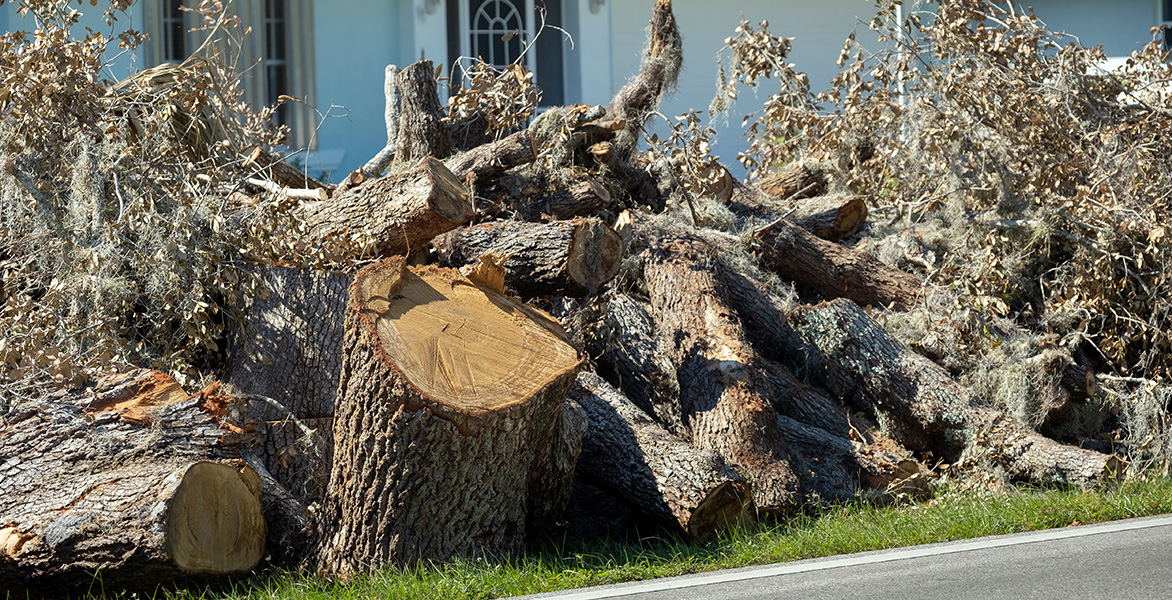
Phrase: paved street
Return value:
(1127, 560)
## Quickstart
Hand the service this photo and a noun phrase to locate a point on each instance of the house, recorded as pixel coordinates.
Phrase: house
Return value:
(332, 54)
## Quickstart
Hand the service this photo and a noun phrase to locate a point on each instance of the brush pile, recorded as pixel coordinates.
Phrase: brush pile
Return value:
(490, 322)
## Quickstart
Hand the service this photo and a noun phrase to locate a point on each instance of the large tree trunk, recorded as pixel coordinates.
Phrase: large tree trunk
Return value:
(632, 356)
(832, 270)
(449, 406)
(628, 454)
(725, 400)
(569, 258)
(422, 130)
(395, 214)
(127, 478)
(920, 405)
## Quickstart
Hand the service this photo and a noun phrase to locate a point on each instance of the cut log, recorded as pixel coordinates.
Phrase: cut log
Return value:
(832, 270)
(486, 161)
(641, 96)
(582, 199)
(796, 180)
(289, 528)
(449, 405)
(422, 129)
(279, 171)
(127, 478)
(289, 347)
(395, 214)
(921, 406)
(628, 454)
(725, 401)
(763, 314)
(634, 358)
(804, 403)
(570, 258)
(832, 218)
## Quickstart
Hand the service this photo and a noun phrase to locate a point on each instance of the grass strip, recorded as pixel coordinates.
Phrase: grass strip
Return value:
(950, 515)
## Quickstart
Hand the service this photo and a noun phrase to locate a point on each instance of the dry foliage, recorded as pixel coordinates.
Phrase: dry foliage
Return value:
(115, 245)
(1028, 185)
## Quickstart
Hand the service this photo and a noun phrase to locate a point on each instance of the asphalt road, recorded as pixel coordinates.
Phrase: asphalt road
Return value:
(1129, 560)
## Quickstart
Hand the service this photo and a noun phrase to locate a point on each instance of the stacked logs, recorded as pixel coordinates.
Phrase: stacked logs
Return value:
(432, 408)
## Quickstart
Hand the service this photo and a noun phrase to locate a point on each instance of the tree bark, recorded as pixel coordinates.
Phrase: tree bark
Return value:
(395, 214)
(832, 270)
(422, 129)
(920, 405)
(634, 358)
(289, 347)
(832, 218)
(582, 199)
(449, 405)
(127, 477)
(569, 258)
(628, 454)
(725, 401)
(486, 161)
(796, 180)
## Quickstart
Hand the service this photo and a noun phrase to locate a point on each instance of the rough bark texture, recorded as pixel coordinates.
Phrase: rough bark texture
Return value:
(833, 218)
(582, 199)
(290, 346)
(395, 214)
(569, 258)
(657, 75)
(127, 476)
(297, 453)
(449, 407)
(422, 130)
(920, 405)
(628, 454)
(796, 180)
(725, 400)
(486, 161)
(289, 528)
(634, 358)
(763, 314)
(832, 270)
(804, 403)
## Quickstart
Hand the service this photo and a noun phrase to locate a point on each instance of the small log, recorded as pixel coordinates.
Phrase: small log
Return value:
(394, 214)
(921, 406)
(570, 258)
(582, 199)
(449, 405)
(627, 453)
(487, 161)
(127, 477)
(631, 355)
(318, 194)
(422, 129)
(796, 180)
(393, 100)
(725, 401)
(279, 171)
(832, 270)
(832, 218)
(641, 96)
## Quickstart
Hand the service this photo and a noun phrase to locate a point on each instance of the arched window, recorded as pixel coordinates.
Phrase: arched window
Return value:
(497, 32)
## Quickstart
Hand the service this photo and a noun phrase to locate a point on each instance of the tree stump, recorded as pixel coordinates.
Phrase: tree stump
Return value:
(448, 433)
(128, 478)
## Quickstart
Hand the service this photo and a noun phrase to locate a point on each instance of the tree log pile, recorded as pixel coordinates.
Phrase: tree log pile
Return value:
(535, 310)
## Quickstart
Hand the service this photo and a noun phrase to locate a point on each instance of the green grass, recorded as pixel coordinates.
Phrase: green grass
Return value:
(951, 515)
